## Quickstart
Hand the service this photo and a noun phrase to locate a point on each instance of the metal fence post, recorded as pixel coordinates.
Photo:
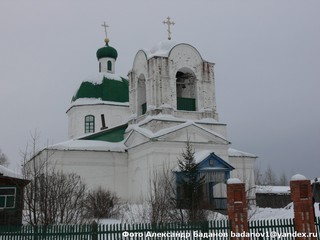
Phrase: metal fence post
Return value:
(94, 230)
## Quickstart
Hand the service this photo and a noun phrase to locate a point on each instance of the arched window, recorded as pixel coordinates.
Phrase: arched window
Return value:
(142, 95)
(109, 65)
(89, 124)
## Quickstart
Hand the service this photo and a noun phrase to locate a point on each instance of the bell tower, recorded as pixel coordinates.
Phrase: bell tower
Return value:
(172, 79)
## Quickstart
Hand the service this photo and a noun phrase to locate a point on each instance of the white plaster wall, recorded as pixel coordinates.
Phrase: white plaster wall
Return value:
(104, 65)
(96, 168)
(244, 170)
(114, 115)
(139, 69)
(153, 156)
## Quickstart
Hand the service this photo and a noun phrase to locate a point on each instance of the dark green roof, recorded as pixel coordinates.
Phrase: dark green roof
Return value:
(109, 90)
(107, 51)
(115, 134)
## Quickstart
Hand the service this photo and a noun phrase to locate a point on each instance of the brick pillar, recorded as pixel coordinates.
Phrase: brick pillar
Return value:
(237, 207)
(301, 195)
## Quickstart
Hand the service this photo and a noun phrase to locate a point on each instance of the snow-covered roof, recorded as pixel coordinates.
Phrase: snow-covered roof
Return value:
(89, 145)
(97, 78)
(273, 189)
(94, 101)
(237, 153)
(183, 123)
(9, 173)
(201, 155)
(161, 49)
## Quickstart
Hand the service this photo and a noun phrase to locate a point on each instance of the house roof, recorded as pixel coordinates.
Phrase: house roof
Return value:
(6, 173)
(9, 173)
(209, 161)
(280, 190)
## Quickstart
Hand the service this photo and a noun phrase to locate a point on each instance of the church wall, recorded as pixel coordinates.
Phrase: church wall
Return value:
(220, 129)
(139, 69)
(154, 156)
(114, 115)
(244, 170)
(96, 168)
(144, 160)
(104, 65)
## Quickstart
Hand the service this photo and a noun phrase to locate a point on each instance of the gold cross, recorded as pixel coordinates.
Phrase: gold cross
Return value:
(168, 22)
(105, 28)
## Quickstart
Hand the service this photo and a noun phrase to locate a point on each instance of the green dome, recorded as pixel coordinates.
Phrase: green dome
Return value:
(107, 88)
(107, 52)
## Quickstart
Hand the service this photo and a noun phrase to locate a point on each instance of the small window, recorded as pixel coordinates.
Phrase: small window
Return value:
(109, 66)
(7, 197)
(211, 162)
(89, 124)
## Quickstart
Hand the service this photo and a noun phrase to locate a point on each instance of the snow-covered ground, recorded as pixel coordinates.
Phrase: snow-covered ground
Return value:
(139, 214)
(276, 213)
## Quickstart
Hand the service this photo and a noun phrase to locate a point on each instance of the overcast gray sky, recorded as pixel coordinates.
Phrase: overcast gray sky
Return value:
(266, 53)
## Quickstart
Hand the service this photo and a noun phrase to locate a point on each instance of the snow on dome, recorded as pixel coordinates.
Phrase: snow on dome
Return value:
(9, 173)
(298, 177)
(234, 181)
(161, 49)
(236, 153)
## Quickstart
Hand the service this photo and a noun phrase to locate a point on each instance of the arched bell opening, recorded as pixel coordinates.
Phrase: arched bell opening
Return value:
(186, 90)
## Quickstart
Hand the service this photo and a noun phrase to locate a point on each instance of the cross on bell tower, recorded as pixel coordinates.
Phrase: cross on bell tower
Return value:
(168, 22)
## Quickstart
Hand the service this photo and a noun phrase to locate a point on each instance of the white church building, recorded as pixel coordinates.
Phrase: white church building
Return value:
(122, 129)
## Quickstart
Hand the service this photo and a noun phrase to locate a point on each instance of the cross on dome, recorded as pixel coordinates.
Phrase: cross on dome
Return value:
(168, 22)
(105, 26)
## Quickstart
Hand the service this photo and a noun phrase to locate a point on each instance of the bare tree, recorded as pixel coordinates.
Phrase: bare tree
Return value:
(162, 199)
(283, 180)
(3, 159)
(270, 177)
(258, 176)
(101, 203)
(52, 197)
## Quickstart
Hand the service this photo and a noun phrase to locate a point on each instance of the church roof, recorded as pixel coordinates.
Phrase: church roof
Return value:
(181, 124)
(161, 49)
(88, 145)
(104, 86)
(237, 153)
(115, 134)
(164, 48)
